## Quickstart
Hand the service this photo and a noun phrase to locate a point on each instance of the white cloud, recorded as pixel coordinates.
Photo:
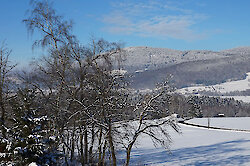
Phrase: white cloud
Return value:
(153, 19)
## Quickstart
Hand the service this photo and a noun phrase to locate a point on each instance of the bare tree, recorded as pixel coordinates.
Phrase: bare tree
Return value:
(152, 117)
(5, 80)
(86, 96)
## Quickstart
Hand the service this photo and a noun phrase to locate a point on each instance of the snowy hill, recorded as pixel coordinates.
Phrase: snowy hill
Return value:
(152, 65)
(148, 58)
(238, 50)
(238, 90)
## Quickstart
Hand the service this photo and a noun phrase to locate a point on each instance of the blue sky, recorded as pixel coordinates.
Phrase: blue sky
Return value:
(177, 24)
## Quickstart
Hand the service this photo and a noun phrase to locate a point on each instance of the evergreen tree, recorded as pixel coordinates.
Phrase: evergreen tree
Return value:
(30, 136)
(195, 108)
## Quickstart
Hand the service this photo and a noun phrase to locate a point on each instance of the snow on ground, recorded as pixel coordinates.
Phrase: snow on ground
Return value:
(198, 146)
(227, 87)
(228, 122)
(231, 86)
(33, 164)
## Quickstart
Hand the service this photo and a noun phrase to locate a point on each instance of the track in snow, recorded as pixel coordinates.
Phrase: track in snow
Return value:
(216, 128)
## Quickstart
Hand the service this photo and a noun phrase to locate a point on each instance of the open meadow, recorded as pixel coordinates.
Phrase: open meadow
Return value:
(199, 146)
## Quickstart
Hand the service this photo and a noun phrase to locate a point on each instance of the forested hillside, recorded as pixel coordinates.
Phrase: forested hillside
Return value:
(151, 65)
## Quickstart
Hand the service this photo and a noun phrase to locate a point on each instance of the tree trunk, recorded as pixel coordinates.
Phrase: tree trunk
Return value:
(85, 143)
(72, 154)
(92, 144)
(103, 152)
(100, 148)
(65, 158)
(129, 150)
(81, 147)
(112, 149)
(128, 155)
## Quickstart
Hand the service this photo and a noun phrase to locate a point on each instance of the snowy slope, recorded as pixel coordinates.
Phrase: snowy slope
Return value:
(196, 146)
(144, 58)
(149, 66)
(238, 50)
(227, 87)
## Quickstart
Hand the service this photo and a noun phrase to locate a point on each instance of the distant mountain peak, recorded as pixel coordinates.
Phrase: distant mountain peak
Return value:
(238, 50)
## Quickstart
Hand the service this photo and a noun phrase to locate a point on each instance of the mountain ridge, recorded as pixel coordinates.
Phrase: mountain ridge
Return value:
(150, 65)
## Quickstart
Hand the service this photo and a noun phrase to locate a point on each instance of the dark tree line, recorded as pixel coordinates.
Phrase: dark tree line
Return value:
(205, 106)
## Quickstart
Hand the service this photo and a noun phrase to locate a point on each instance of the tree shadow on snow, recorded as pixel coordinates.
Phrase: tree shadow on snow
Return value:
(217, 154)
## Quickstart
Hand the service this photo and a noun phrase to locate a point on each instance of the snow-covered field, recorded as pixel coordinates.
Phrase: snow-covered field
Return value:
(228, 122)
(227, 87)
(231, 86)
(199, 146)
